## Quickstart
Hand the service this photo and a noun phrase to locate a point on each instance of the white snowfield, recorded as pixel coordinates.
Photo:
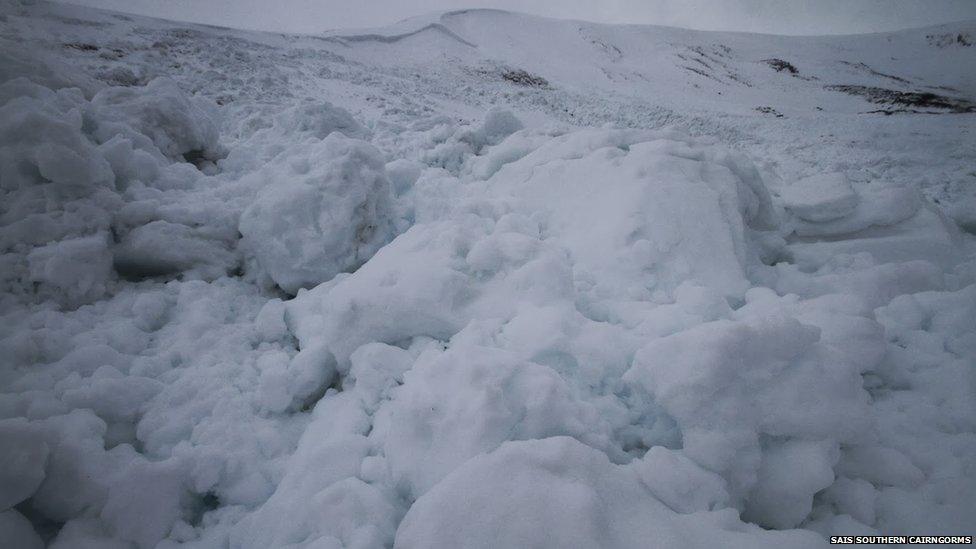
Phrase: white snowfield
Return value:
(483, 280)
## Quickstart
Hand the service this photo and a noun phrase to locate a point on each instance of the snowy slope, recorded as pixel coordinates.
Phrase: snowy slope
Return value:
(483, 279)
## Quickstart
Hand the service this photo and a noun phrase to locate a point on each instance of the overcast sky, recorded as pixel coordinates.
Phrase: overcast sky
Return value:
(772, 16)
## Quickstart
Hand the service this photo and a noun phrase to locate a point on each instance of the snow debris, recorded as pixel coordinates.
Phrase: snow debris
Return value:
(362, 291)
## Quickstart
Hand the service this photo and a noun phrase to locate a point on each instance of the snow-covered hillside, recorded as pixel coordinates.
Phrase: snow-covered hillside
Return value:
(483, 279)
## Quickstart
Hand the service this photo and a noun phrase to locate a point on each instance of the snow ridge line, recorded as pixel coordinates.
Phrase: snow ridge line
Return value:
(391, 39)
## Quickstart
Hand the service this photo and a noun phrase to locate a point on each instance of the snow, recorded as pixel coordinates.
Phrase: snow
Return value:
(480, 279)
(820, 198)
(16, 531)
(508, 499)
(24, 459)
(324, 209)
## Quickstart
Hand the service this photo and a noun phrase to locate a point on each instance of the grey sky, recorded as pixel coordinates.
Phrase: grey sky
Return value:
(772, 16)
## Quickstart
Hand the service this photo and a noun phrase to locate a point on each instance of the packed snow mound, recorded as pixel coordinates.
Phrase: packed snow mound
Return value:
(557, 492)
(324, 209)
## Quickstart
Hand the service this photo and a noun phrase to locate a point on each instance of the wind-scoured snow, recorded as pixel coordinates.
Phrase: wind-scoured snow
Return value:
(483, 279)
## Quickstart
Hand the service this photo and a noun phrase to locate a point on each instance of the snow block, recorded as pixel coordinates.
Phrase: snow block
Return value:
(822, 197)
(506, 499)
(326, 209)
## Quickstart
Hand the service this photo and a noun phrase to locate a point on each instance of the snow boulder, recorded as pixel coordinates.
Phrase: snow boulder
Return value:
(159, 117)
(319, 119)
(557, 493)
(16, 531)
(644, 211)
(497, 125)
(822, 197)
(679, 482)
(732, 386)
(74, 270)
(161, 248)
(468, 400)
(326, 209)
(23, 455)
(267, 134)
(789, 475)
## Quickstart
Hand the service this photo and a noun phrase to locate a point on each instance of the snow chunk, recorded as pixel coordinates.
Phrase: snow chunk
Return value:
(72, 168)
(75, 271)
(320, 497)
(877, 204)
(822, 197)
(43, 130)
(403, 174)
(85, 533)
(143, 520)
(292, 384)
(325, 209)
(319, 119)
(729, 383)
(625, 202)
(16, 532)
(506, 499)
(499, 124)
(163, 248)
(23, 457)
(468, 400)
(856, 498)
(679, 482)
(790, 474)
(160, 112)
(880, 465)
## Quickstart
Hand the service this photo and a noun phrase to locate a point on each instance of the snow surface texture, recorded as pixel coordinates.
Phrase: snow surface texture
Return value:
(482, 280)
